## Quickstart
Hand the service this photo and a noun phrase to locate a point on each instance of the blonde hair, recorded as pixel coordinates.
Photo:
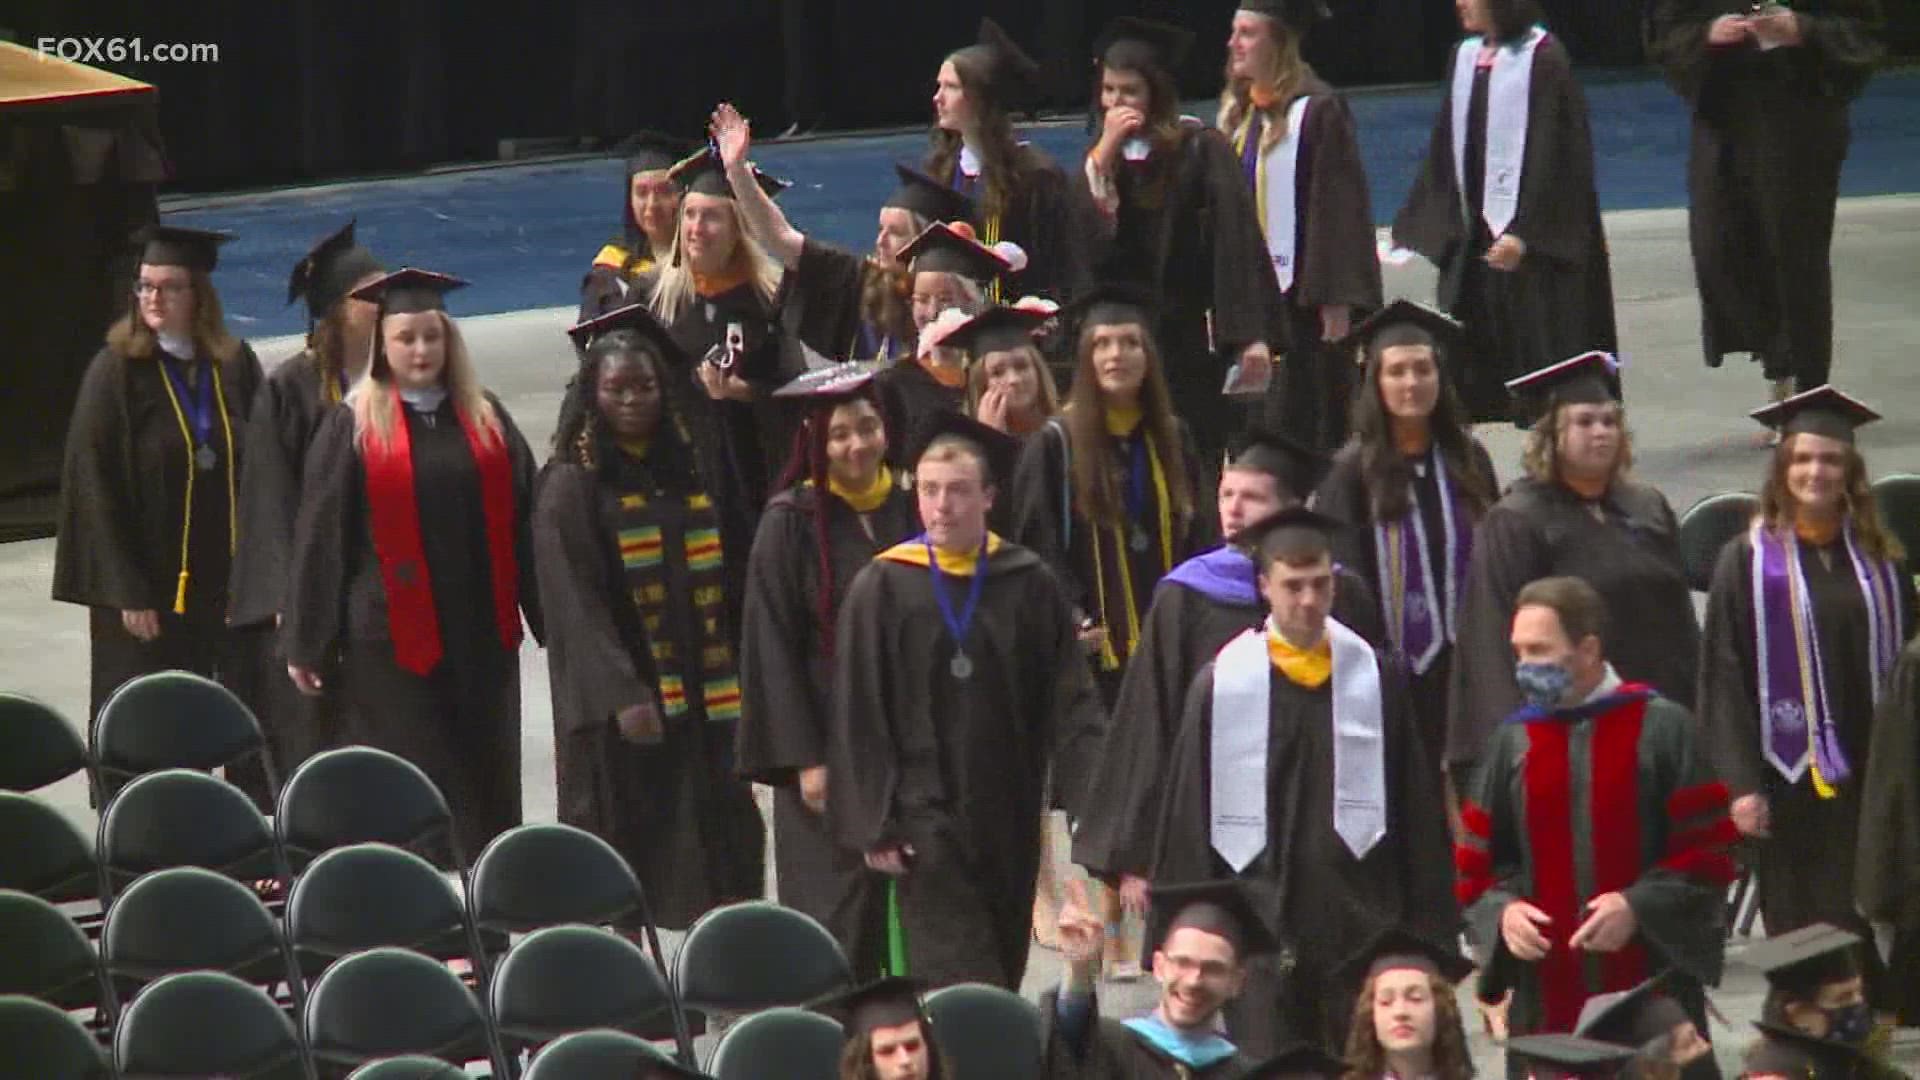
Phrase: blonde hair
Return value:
(1283, 76)
(133, 339)
(374, 415)
(1777, 504)
(1049, 402)
(1540, 456)
(675, 289)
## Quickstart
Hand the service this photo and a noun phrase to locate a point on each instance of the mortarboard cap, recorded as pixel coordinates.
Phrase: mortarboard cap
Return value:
(1444, 329)
(637, 318)
(1801, 961)
(1396, 947)
(942, 249)
(1822, 410)
(1300, 1059)
(1289, 520)
(1592, 378)
(834, 383)
(409, 290)
(1222, 908)
(1109, 304)
(928, 197)
(703, 174)
(889, 1001)
(330, 271)
(1787, 1051)
(1130, 43)
(1568, 1055)
(1300, 16)
(1632, 1017)
(1001, 451)
(1297, 467)
(652, 151)
(174, 245)
(1012, 76)
(996, 329)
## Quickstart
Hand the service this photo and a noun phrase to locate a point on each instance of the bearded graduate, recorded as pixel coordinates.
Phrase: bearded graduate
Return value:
(1576, 512)
(1406, 1015)
(623, 270)
(1300, 154)
(1806, 618)
(1299, 765)
(958, 682)
(1017, 193)
(641, 657)
(1415, 482)
(1176, 218)
(1505, 206)
(838, 507)
(148, 526)
(413, 560)
(287, 412)
(1769, 88)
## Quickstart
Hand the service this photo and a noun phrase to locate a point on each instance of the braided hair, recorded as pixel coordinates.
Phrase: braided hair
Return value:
(582, 438)
(807, 462)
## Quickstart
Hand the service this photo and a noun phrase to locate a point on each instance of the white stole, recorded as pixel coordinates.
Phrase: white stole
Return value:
(1277, 187)
(1508, 88)
(1242, 720)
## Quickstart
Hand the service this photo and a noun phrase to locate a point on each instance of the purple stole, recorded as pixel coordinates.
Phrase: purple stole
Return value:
(1792, 677)
(1420, 612)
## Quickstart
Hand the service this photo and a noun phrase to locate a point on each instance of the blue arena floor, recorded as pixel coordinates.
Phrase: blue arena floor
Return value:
(523, 235)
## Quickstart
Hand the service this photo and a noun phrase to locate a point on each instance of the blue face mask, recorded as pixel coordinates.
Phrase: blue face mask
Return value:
(1542, 685)
(1850, 1024)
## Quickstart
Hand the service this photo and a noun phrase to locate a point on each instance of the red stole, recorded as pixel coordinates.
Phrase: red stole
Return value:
(395, 519)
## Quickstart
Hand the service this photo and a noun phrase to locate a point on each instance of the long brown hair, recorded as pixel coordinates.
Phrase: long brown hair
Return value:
(1367, 1059)
(1085, 417)
(856, 1058)
(1540, 454)
(1049, 402)
(1383, 469)
(886, 299)
(999, 151)
(132, 339)
(1777, 505)
(1285, 77)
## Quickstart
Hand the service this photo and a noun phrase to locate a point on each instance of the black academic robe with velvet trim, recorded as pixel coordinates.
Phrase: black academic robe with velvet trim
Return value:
(1887, 869)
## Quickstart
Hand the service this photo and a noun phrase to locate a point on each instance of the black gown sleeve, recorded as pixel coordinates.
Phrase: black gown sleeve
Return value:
(1887, 869)
(1558, 204)
(1508, 552)
(863, 755)
(520, 457)
(323, 535)
(1040, 490)
(821, 300)
(1419, 813)
(1338, 263)
(1203, 527)
(1430, 221)
(1727, 696)
(1246, 295)
(1343, 497)
(782, 728)
(97, 560)
(269, 498)
(570, 560)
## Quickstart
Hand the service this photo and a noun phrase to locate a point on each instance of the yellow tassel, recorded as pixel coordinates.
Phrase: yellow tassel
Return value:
(1820, 785)
(180, 596)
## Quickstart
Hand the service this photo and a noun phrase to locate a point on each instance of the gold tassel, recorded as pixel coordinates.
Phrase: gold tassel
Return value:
(1820, 785)
(180, 596)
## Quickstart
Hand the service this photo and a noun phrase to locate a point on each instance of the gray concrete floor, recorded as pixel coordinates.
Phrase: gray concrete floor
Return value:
(1690, 426)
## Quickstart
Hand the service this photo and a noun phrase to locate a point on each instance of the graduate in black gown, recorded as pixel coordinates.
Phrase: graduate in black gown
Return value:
(1805, 621)
(1769, 89)
(645, 679)
(1300, 155)
(957, 683)
(1817, 1004)
(1017, 192)
(1176, 216)
(1505, 206)
(1887, 867)
(291, 403)
(147, 526)
(1406, 1013)
(1010, 388)
(413, 561)
(1414, 483)
(840, 506)
(1204, 603)
(1578, 512)
(623, 269)
(1299, 765)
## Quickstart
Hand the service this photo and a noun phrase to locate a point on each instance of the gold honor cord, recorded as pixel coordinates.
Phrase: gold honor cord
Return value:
(186, 433)
(1109, 656)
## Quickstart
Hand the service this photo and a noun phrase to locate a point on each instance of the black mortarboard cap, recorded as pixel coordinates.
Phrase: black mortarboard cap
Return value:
(889, 1001)
(1299, 15)
(928, 197)
(1822, 410)
(1591, 378)
(1286, 519)
(1222, 908)
(1632, 1017)
(939, 249)
(1397, 947)
(833, 383)
(409, 290)
(1300, 1059)
(1801, 961)
(175, 245)
(1443, 327)
(652, 151)
(330, 270)
(638, 318)
(1298, 467)
(1012, 75)
(1110, 303)
(703, 174)
(1569, 1055)
(1001, 450)
(996, 329)
(1129, 43)
(1787, 1051)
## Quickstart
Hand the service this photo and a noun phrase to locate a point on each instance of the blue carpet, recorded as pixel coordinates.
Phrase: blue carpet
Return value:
(524, 235)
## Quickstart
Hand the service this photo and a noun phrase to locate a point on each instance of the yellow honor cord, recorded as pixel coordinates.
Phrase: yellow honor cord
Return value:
(1109, 656)
(1804, 654)
(186, 525)
(992, 232)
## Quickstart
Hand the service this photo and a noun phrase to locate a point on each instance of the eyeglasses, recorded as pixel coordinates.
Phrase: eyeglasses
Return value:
(169, 289)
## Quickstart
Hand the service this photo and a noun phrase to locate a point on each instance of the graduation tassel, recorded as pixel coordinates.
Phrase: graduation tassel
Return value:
(180, 596)
(896, 932)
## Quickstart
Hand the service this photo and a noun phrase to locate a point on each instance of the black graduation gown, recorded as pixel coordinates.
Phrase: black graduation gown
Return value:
(1188, 232)
(1770, 131)
(909, 397)
(786, 675)
(461, 723)
(673, 809)
(1560, 301)
(123, 505)
(1632, 559)
(1344, 495)
(616, 279)
(1042, 216)
(1887, 871)
(1324, 903)
(820, 304)
(1808, 831)
(1335, 263)
(1110, 1050)
(1183, 631)
(956, 768)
